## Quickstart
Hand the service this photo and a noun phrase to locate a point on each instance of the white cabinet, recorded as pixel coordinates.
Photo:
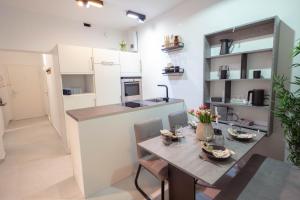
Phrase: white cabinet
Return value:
(130, 64)
(108, 84)
(75, 60)
(106, 57)
(78, 101)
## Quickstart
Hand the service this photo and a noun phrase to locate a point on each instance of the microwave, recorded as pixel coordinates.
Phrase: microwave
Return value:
(131, 88)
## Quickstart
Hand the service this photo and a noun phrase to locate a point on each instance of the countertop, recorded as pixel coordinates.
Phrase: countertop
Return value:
(103, 111)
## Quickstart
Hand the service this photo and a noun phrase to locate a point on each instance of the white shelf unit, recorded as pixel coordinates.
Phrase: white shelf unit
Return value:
(84, 82)
(255, 47)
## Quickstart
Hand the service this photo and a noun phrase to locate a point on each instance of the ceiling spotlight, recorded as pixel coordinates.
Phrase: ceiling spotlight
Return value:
(140, 17)
(88, 3)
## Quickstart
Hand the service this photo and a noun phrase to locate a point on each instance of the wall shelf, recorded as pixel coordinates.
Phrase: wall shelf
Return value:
(173, 48)
(173, 73)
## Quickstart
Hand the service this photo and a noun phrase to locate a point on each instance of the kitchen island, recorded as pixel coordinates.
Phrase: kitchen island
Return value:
(102, 140)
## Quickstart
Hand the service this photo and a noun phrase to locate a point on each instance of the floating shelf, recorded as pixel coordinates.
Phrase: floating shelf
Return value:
(173, 74)
(240, 53)
(173, 48)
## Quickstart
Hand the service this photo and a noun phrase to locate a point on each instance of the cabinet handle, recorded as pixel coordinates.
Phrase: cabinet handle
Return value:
(92, 61)
(107, 63)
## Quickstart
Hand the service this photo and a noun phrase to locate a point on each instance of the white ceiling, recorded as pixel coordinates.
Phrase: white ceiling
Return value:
(111, 15)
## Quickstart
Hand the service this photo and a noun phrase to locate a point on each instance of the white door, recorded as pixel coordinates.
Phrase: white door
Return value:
(26, 91)
(106, 57)
(75, 60)
(130, 64)
(108, 84)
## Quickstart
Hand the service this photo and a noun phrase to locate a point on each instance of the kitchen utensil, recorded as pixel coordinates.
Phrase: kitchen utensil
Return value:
(257, 74)
(258, 97)
(225, 46)
(223, 72)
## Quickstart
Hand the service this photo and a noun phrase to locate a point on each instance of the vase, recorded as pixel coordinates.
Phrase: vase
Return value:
(204, 132)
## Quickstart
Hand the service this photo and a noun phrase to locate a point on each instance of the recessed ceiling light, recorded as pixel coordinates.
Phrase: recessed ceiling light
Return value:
(140, 17)
(88, 3)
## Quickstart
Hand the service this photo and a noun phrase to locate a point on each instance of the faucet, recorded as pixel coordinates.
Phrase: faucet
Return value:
(167, 92)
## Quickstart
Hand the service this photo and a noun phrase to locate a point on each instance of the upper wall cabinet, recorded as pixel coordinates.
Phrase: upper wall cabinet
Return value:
(75, 60)
(130, 64)
(106, 57)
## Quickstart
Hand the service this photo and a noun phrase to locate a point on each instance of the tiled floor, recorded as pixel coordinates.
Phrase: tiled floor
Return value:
(37, 168)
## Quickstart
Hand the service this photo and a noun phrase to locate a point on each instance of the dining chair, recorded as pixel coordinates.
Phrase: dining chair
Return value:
(157, 167)
(179, 118)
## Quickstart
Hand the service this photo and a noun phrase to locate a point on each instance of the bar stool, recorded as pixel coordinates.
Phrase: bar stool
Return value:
(178, 119)
(157, 167)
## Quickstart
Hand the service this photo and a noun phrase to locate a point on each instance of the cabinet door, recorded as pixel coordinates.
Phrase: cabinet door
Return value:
(106, 57)
(130, 64)
(108, 84)
(75, 60)
(78, 101)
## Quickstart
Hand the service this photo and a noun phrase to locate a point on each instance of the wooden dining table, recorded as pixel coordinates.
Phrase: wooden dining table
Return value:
(185, 165)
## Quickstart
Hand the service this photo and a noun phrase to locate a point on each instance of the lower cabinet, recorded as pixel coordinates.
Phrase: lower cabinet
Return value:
(78, 101)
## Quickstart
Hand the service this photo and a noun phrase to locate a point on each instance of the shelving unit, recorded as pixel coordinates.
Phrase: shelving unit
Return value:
(255, 47)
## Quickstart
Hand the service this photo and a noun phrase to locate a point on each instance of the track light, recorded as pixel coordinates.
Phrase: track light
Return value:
(88, 3)
(140, 17)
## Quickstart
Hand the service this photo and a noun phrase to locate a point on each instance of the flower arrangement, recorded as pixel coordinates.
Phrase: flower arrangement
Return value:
(204, 114)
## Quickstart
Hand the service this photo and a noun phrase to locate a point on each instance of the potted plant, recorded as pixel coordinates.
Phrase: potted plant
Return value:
(287, 110)
(204, 131)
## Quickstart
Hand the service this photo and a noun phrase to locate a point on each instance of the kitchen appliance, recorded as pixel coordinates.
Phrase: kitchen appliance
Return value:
(225, 46)
(223, 72)
(257, 98)
(131, 88)
(71, 91)
(256, 74)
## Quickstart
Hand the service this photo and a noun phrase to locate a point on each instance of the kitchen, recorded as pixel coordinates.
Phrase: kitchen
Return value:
(106, 72)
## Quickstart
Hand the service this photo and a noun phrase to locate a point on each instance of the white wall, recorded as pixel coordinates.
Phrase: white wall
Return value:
(22, 30)
(22, 60)
(192, 20)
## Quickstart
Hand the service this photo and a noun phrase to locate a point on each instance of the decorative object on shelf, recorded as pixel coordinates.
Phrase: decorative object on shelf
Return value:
(287, 110)
(225, 46)
(88, 3)
(123, 45)
(223, 72)
(171, 70)
(204, 131)
(216, 99)
(172, 43)
(257, 98)
(257, 74)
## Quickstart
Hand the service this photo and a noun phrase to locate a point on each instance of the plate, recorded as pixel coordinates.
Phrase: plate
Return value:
(241, 135)
(216, 152)
(170, 134)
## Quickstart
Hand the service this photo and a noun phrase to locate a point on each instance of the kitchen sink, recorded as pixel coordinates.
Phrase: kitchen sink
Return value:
(157, 100)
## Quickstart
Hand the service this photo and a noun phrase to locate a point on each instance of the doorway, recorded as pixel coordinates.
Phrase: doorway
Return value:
(25, 84)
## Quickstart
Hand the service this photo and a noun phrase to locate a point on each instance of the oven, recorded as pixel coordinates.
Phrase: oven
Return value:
(131, 88)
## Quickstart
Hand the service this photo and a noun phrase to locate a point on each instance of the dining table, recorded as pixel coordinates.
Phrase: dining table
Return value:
(185, 160)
